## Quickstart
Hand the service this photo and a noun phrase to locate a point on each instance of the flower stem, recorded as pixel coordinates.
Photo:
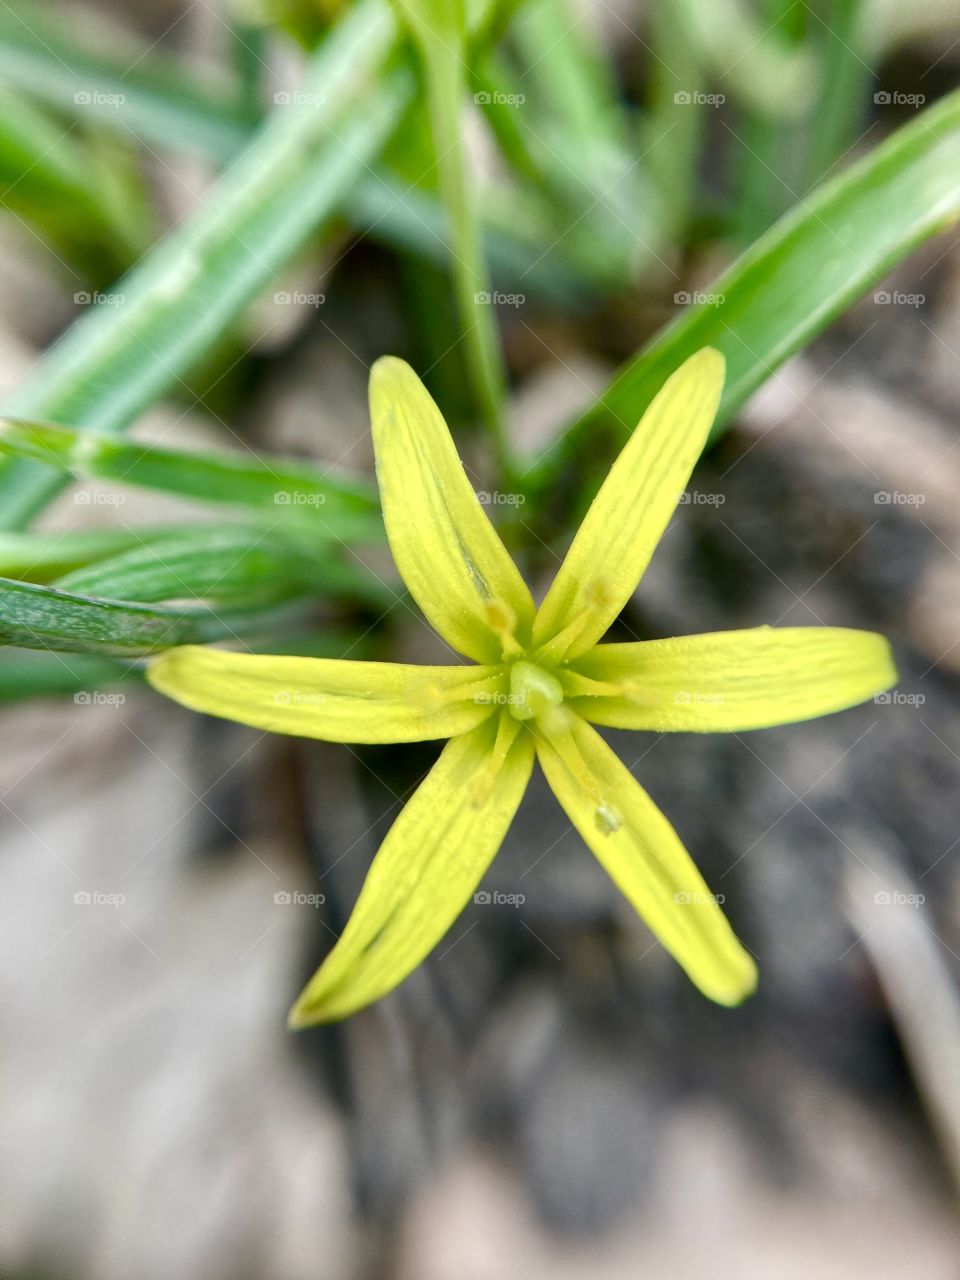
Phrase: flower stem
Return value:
(445, 86)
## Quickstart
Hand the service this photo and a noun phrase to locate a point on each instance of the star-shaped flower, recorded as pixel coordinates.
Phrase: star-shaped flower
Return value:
(541, 682)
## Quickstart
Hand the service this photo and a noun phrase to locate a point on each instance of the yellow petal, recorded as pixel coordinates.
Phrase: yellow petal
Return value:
(644, 857)
(735, 680)
(628, 516)
(327, 698)
(448, 553)
(425, 871)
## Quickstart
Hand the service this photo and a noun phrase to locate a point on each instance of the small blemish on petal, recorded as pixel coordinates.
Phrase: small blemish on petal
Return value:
(608, 820)
(595, 594)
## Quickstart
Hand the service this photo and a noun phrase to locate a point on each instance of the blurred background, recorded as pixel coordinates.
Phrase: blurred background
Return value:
(547, 1095)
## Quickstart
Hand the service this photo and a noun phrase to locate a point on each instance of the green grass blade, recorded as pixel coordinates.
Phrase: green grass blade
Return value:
(151, 97)
(39, 617)
(187, 292)
(42, 557)
(333, 507)
(223, 564)
(168, 107)
(580, 138)
(672, 129)
(844, 88)
(412, 220)
(242, 563)
(753, 54)
(793, 282)
(81, 198)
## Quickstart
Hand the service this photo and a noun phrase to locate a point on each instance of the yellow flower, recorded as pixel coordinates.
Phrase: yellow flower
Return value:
(541, 679)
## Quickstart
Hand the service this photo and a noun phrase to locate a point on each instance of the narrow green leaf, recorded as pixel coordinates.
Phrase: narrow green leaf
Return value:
(579, 136)
(333, 506)
(767, 71)
(438, 28)
(41, 557)
(78, 196)
(38, 617)
(225, 563)
(169, 108)
(769, 144)
(243, 564)
(793, 282)
(394, 213)
(121, 85)
(186, 293)
(844, 92)
(672, 129)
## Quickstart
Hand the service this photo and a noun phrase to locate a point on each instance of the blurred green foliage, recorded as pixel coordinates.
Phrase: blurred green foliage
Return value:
(609, 171)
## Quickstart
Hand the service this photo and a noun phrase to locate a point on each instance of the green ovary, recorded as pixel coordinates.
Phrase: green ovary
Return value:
(534, 690)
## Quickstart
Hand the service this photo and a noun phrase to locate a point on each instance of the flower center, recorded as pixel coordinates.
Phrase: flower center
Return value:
(534, 691)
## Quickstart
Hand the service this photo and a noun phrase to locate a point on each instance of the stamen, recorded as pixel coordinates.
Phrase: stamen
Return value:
(564, 743)
(430, 696)
(503, 622)
(637, 692)
(482, 784)
(569, 753)
(595, 597)
(576, 685)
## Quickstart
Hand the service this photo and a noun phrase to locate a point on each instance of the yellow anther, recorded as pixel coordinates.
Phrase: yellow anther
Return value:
(596, 594)
(503, 622)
